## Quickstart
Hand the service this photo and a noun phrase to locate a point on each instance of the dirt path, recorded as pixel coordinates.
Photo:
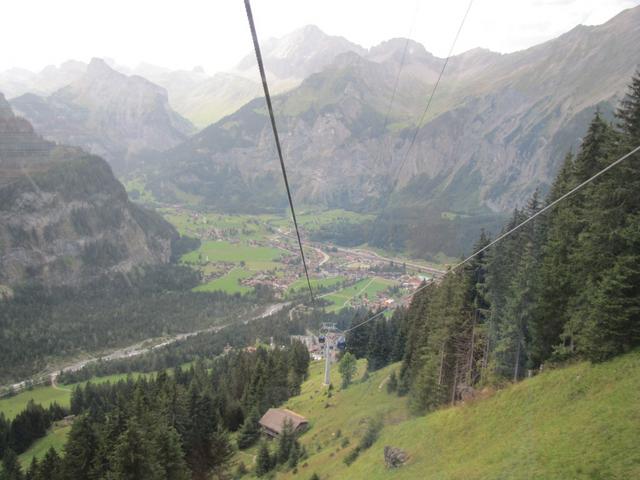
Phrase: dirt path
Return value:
(359, 293)
(54, 383)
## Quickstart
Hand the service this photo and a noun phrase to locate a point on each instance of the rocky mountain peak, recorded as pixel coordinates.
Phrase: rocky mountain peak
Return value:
(99, 68)
(393, 50)
(298, 54)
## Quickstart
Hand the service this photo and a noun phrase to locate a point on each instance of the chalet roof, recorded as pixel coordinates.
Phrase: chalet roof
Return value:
(275, 417)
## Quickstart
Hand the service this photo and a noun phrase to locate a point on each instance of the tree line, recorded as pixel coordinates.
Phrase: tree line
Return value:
(39, 324)
(28, 426)
(172, 425)
(565, 286)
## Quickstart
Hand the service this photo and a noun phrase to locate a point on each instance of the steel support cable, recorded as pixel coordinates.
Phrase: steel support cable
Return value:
(433, 92)
(267, 97)
(402, 61)
(514, 229)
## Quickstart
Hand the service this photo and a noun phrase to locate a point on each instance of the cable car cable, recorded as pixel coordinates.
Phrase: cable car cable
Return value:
(433, 92)
(514, 229)
(267, 97)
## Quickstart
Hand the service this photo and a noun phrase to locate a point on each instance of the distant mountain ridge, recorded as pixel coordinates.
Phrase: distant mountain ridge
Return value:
(118, 117)
(64, 218)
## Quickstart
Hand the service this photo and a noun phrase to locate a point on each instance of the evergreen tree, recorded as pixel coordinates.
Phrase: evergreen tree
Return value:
(379, 345)
(167, 449)
(347, 368)
(132, 457)
(222, 452)
(80, 449)
(32, 472)
(263, 462)
(10, 466)
(51, 466)
(286, 440)
(358, 338)
(250, 431)
(629, 113)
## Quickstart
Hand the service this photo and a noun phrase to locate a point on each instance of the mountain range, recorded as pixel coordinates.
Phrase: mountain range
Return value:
(497, 129)
(121, 118)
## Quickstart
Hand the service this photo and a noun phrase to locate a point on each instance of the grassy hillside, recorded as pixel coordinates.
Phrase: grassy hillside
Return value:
(579, 422)
(56, 438)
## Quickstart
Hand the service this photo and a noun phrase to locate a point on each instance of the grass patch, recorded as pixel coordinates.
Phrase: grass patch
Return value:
(229, 283)
(56, 437)
(368, 287)
(45, 396)
(301, 283)
(234, 252)
(580, 422)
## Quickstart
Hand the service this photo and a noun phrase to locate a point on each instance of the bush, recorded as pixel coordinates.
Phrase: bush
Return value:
(371, 435)
(352, 456)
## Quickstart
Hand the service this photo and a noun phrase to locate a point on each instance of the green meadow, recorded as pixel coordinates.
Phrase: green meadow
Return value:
(368, 287)
(301, 283)
(229, 283)
(579, 422)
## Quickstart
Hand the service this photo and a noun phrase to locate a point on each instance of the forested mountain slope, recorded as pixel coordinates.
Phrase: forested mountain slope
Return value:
(64, 218)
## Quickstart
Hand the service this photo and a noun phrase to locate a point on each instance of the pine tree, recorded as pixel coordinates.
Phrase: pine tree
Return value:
(250, 430)
(347, 368)
(608, 313)
(80, 449)
(379, 345)
(222, 452)
(10, 466)
(132, 458)
(358, 338)
(167, 449)
(51, 466)
(286, 440)
(629, 113)
(263, 462)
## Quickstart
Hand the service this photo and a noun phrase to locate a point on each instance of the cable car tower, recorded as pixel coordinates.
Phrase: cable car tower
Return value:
(331, 337)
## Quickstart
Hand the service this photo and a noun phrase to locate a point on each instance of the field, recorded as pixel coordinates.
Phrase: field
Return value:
(368, 288)
(229, 283)
(310, 218)
(301, 283)
(57, 435)
(46, 395)
(254, 257)
(198, 224)
(580, 423)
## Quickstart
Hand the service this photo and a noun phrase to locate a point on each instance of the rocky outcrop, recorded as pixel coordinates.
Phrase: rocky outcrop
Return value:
(394, 457)
(64, 218)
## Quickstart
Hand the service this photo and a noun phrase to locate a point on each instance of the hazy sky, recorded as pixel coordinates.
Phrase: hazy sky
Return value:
(215, 35)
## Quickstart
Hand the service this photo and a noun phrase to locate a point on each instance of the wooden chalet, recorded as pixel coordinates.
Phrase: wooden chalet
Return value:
(274, 420)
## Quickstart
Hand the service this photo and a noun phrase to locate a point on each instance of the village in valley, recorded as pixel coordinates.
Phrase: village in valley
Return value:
(258, 253)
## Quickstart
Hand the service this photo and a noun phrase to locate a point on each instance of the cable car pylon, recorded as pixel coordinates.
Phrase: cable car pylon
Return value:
(331, 337)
